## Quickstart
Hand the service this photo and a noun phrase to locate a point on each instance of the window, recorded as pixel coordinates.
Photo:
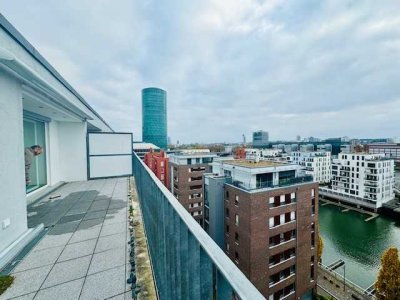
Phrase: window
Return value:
(189, 161)
(236, 200)
(236, 237)
(227, 195)
(36, 171)
(236, 256)
(227, 212)
(227, 247)
(227, 228)
(237, 220)
(271, 222)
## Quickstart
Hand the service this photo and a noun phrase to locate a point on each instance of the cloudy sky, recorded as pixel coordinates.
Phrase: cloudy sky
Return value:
(309, 68)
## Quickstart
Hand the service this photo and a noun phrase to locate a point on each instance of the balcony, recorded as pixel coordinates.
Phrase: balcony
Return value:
(187, 263)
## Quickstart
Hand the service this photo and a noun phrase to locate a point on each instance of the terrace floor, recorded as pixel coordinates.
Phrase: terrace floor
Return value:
(84, 253)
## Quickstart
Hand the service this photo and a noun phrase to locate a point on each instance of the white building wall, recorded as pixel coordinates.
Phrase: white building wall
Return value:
(317, 164)
(12, 168)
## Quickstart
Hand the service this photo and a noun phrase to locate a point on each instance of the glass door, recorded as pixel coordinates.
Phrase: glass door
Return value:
(35, 165)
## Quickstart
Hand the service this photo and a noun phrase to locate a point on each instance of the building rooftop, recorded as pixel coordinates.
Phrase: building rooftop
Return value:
(246, 163)
(144, 146)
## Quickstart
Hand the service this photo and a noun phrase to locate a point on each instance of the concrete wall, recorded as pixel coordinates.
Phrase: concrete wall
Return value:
(12, 172)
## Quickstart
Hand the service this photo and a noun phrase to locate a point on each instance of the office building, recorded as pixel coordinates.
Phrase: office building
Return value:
(158, 163)
(260, 138)
(390, 150)
(363, 180)
(271, 212)
(317, 164)
(186, 174)
(154, 117)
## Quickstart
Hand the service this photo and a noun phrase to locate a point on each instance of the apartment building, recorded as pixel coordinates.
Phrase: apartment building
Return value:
(317, 164)
(271, 217)
(365, 180)
(186, 174)
(158, 163)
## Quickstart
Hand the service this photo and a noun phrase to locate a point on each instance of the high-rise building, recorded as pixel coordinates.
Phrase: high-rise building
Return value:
(154, 117)
(364, 180)
(316, 164)
(186, 172)
(390, 150)
(260, 138)
(271, 218)
(158, 163)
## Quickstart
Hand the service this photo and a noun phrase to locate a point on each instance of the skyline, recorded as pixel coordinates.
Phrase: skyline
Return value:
(287, 68)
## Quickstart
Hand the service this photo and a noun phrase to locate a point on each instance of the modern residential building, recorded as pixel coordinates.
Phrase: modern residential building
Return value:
(317, 164)
(158, 163)
(271, 217)
(38, 107)
(154, 117)
(363, 180)
(390, 150)
(141, 148)
(186, 174)
(260, 138)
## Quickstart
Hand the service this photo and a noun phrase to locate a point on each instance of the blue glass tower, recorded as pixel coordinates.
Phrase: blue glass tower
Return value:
(154, 117)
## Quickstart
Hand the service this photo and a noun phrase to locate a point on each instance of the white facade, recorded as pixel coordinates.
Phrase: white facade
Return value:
(29, 86)
(317, 164)
(369, 177)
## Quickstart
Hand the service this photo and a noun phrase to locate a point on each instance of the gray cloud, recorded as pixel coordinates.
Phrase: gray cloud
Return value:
(322, 68)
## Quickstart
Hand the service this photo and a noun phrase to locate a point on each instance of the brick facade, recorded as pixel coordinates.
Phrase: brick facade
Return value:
(187, 186)
(249, 241)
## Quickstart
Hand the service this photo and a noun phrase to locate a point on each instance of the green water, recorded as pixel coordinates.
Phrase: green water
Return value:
(360, 244)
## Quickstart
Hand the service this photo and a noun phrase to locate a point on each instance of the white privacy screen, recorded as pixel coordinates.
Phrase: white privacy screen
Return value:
(110, 155)
(110, 143)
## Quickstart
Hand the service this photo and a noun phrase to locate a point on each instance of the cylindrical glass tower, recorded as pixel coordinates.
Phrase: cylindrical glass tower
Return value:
(154, 117)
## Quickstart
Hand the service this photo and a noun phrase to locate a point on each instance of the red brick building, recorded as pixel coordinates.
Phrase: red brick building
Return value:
(271, 218)
(158, 163)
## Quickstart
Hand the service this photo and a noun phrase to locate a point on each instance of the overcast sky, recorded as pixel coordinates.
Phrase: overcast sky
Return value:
(309, 68)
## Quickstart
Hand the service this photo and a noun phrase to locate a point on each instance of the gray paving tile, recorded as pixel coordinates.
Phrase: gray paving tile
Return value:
(118, 297)
(69, 227)
(67, 271)
(29, 296)
(95, 215)
(53, 241)
(90, 223)
(110, 242)
(66, 291)
(78, 250)
(117, 205)
(114, 228)
(104, 284)
(71, 218)
(26, 282)
(85, 234)
(107, 260)
(39, 258)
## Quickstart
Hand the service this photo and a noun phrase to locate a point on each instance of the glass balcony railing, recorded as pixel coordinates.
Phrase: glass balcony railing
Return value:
(186, 262)
(269, 184)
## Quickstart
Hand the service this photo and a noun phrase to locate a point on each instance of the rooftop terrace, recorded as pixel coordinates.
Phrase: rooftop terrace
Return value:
(252, 164)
